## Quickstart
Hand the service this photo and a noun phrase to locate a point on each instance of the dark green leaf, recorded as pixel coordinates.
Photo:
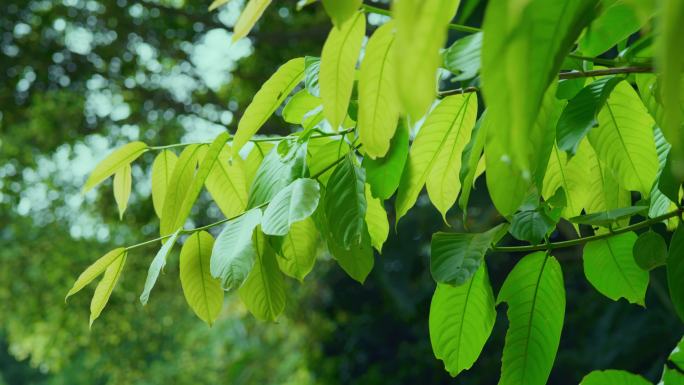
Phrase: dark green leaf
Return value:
(609, 217)
(384, 174)
(470, 158)
(463, 57)
(616, 23)
(345, 203)
(531, 225)
(675, 270)
(650, 250)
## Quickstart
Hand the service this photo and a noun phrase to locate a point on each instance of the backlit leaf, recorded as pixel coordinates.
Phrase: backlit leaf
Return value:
(344, 203)
(275, 172)
(463, 57)
(376, 220)
(181, 181)
(120, 157)
(122, 188)
(383, 174)
(162, 169)
(297, 254)
(249, 16)
(227, 183)
(202, 291)
(341, 11)
(94, 270)
(104, 289)
(616, 23)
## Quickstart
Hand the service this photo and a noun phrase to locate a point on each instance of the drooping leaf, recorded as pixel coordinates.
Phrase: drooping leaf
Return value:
(116, 160)
(606, 218)
(249, 16)
(263, 293)
(435, 156)
(338, 65)
(535, 296)
(275, 172)
(162, 169)
(227, 183)
(579, 116)
(104, 289)
(613, 377)
(571, 175)
(292, 204)
(344, 202)
(297, 254)
(233, 254)
(531, 225)
(421, 33)
(650, 250)
(378, 104)
(610, 267)
(461, 320)
(616, 23)
(94, 270)
(341, 11)
(202, 291)
(463, 57)
(376, 220)
(122, 188)
(156, 267)
(455, 257)
(181, 181)
(675, 270)
(624, 140)
(269, 97)
(471, 158)
(383, 174)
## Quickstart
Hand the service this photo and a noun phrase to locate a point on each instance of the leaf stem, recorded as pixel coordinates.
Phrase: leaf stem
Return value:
(386, 12)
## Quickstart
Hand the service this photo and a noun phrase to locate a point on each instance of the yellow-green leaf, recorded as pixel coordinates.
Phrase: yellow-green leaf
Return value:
(378, 104)
(202, 291)
(104, 289)
(298, 251)
(122, 188)
(113, 162)
(338, 64)
(603, 191)
(421, 33)
(571, 175)
(217, 3)
(94, 270)
(271, 95)
(376, 220)
(249, 16)
(227, 184)
(181, 179)
(162, 169)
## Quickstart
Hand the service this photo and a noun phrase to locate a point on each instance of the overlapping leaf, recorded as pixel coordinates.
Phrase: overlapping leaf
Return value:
(384, 174)
(233, 254)
(345, 201)
(292, 204)
(297, 254)
(162, 169)
(106, 286)
(202, 291)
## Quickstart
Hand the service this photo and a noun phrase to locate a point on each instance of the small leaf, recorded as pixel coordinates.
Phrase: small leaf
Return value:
(344, 203)
(338, 62)
(233, 254)
(610, 267)
(454, 257)
(162, 169)
(675, 270)
(217, 3)
(297, 254)
(383, 174)
(122, 188)
(202, 291)
(156, 267)
(463, 57)
(113, 162)
(104, 289)
(269, 97)
(94, 270)
(531, 225)
(461, 320)
(227, 183)
(292, 204)
(650, 250)
(609, 217)
(376, 220)
(249, 16)
(613, 377)
(341, 11)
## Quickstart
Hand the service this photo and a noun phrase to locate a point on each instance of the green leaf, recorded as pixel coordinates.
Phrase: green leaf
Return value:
(376, 220)
(312, 70)
(325, 157)
(94, 270)
(338, 65)
(624, 140)
(249, 16)
(435, 156)
(104, 289)
(162, 169)
(470, 159)
(613, 377)
(611, 269)
(531, 225)
(122, 188)
(254, 159)
(233, 254)
(672, 377)
(298, 109)
(461, 320)
(345, 201)
(156, 267)
(181, 181)
(606, 218)
(116, 160)
(297, 254)
(263, 293)
(571, 175)
(455, 257)
(202, 291)
(421, 33)
(463, 57)
(383, 174)
(675, 270)
(535, 295)
(341, 11)
(579, 116)
(650, 250)
(292, 204)
(275, 173)
(269, 97)
(603, 191)
(659, 202)
(529, 40)
(227, 183)
(378, 104)
(616, 23)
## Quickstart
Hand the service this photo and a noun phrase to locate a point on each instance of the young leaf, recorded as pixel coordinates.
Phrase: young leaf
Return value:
(94, 270)
(338, 62)
(275, 173)
(455, 257)
(421, 33)
(104, 289)
(650, 250)
(292, 204)
(227, 183)
(616, 23)
(383, 174)
(675, 270)
(613, 377)
(463, 57)
(345, 201)
(181, 180)
(269, 97)
(263, 293)
(233, 254)
(610, 267)
(624, 140)
(202, 291)
(435, 156)
(116, 160)
(297, 254)
(341, 11)
(376, 220)
(156, 267)
(378, 104)
(461, 320)
(162, 169)
(536, 308)
(249, 16)
(531, 225)
(122, 188)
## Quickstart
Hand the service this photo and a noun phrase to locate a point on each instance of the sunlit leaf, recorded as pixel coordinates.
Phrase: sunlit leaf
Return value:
(94, 270)
(604, 193)
(249, 16)
(162, 169)
(156, 267)
(254, 159)
(376, 220)
(104, 289)
(275, 172)
(297, 254)
(571, 175)
(341, 11)
(122, 188)
(471, 158)
(290, 205)
(232, 256)
(325, 157)
(227, 183)
(616, 23)
(606, 218)
(181, 181)
(344, 203)
(116, 160)
(202, 291)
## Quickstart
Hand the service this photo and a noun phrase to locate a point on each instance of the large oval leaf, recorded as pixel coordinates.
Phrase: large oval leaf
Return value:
(617, 22)
(570, 174)
(603, 191)
(292, 204)
(104, 289)
(249, 16)
(202, 291)
(162, 169)
(344, 203)
(297, 254)
(113, 162)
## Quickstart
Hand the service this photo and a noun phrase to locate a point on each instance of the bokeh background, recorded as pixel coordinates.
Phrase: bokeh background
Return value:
(79, 77)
